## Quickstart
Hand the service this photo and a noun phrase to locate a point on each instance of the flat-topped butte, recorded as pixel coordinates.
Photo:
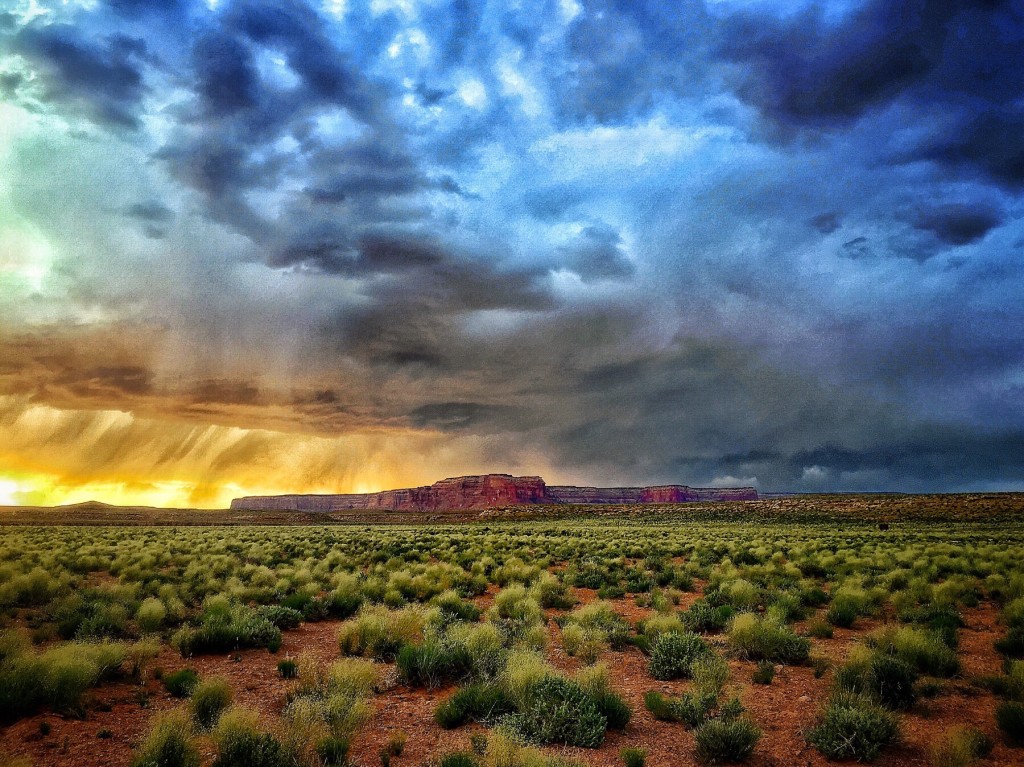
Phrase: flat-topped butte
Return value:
(485, 491)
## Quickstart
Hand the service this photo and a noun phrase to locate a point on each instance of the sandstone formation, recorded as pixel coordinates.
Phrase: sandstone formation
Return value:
(489, 490)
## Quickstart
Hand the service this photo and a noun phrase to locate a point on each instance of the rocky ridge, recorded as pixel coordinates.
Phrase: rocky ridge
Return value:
(485, 491)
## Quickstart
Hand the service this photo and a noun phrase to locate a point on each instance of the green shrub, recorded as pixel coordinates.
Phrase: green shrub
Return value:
(224, 628)
(820, 630)
(1012, 645)
(168, 744)
(57, 677)
(241, 744)
(377, 632)
(848, 603)
(181, 683)
(596, 682)
(959, 748)
(282, 617)
(705, 618)
(757, 638)
(433, 663)
(515, 612)
(287, 668)
(396, 743)
(332, 751)
(1010, 718)
(454, 609)
(764, 673)
(691, 708)
(920, 648)
(458, 759)
(672, 655)
(633, 757)
(888, 679)
(853, 727)
(209, 699)
(475, 702)
(550, 592)
(560, 711)
(151, 614)
(726, 740)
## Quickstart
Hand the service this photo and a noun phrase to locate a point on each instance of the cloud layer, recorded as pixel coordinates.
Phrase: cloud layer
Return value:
(604, 241)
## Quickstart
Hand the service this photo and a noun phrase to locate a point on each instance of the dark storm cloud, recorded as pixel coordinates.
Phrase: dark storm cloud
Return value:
(796, 235)
(952, 64)
(959, 224)
(597, 254)
(151, 210)
(459, 416)
(626, 54)
(101, 77)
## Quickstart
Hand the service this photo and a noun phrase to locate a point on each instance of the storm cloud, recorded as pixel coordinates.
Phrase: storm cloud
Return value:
(607, 242)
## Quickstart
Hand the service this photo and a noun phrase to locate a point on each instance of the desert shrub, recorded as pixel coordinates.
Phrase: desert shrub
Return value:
(484, 645)
(662, 624)
(329, 705)
(820, 630)
(377, 632)
(757, 638)
(287, 668)
(1012, 645)
(633, 757)
(151, 614)
(672, 655)
(705, 618)
(726, 740)
(476, 702)
(559, 711)
(396, 743)
(764, 673)
(587, 644)
(1010, 718)
(601, 621)
(515, 612)
(692, 708)
(168, 744)
(853, 727)
(709, 672)
(280, 616)
(57, 677)
(454, 609)
(458, 759)
(596, 682)
(959, 748)
(522, 672)
(332, 751)
(181, 683)
(209, 699)
(225, 627)
(920, 648)
(741, 594)
(887, 678)
(240, 743)
(550, 592)
(433, 663)
(848, 603)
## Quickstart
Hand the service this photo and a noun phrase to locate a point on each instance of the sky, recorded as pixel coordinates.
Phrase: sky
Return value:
(283, 246)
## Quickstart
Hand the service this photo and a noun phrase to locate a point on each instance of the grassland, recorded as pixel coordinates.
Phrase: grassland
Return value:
(792, 630)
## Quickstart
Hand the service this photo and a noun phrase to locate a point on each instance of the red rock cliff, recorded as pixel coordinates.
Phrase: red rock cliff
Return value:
(488, 490)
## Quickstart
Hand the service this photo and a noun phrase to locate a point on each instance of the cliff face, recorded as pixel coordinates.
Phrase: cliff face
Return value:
(488, 490)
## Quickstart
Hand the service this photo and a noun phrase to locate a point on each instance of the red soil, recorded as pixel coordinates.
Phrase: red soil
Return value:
(784, 710)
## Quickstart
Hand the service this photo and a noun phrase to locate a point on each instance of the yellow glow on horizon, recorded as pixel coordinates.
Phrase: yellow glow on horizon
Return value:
(9, 490)
(52, 457)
